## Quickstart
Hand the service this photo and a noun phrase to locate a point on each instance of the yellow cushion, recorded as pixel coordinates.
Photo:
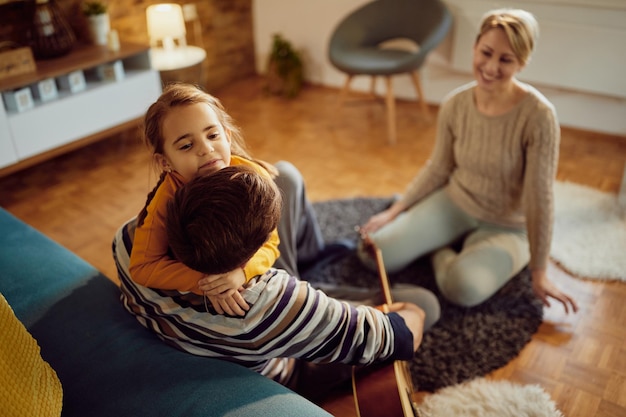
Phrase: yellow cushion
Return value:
(29, 387)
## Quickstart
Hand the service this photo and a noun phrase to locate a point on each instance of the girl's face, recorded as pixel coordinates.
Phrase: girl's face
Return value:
(494, 64)
(195, 141)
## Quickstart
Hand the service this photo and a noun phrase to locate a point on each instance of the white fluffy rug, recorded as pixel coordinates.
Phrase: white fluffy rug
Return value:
(485, 398)
(589, 238)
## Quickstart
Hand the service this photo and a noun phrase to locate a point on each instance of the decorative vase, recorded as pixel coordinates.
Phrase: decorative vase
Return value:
(99, 28)
(49, 35)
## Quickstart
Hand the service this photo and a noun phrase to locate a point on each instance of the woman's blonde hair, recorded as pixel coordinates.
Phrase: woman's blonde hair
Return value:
(521, 29)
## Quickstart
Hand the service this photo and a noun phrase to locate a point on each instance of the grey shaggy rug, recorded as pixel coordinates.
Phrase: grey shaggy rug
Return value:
(466, 342)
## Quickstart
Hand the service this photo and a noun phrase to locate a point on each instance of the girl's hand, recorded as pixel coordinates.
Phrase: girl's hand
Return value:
(544, 289)
(221, 283)
(224, 292)
(231, 302)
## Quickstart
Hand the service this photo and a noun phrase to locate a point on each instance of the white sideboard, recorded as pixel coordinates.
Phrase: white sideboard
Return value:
(72, 119)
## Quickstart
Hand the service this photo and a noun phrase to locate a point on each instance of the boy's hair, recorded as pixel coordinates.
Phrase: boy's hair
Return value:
(216, 223)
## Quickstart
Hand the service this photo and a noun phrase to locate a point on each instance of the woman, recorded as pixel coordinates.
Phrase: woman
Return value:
(489, 179)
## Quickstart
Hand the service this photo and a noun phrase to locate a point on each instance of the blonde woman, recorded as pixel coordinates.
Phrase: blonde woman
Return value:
(488, 181)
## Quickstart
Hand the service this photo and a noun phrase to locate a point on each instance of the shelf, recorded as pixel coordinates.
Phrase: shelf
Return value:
(72, 119)
(81, 57)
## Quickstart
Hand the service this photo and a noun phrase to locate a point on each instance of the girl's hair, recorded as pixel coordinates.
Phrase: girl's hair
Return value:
(216, 223)
(181, 94)
(521, 29)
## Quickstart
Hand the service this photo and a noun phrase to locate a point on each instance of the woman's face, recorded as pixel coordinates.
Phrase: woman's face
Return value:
(495, 64)
(195, 141)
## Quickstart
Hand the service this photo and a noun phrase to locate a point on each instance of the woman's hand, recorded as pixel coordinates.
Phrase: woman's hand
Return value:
(379, 220)
(223, 291)
(544, 289)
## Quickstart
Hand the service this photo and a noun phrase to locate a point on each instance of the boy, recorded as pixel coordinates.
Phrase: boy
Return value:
(215, 223)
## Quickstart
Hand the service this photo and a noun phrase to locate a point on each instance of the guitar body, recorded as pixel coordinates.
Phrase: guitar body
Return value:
(387, 390)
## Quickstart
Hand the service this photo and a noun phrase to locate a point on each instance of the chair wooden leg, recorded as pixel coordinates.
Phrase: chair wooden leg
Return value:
(391, 112)
(373, 86)
(344, 91)
(415, 77)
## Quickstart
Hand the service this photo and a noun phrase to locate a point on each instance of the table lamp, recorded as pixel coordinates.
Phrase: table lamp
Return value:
(166, 26)
(169, 52)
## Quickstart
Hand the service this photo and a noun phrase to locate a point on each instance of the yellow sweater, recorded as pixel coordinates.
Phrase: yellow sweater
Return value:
(29, 387)
(150, 262)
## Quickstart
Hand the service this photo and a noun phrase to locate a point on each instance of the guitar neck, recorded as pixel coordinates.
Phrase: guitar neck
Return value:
(387, 391)
(384, 282)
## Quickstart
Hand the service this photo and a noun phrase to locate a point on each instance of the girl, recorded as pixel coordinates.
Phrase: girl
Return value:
(190, 134)
(489, 179)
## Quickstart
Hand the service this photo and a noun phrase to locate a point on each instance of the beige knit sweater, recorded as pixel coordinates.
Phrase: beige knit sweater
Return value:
(499, 169)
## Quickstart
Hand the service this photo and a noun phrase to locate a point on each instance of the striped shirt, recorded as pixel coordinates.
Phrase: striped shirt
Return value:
(287, 320)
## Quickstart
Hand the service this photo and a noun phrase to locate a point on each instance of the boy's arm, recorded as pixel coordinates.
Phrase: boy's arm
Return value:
(312, 326)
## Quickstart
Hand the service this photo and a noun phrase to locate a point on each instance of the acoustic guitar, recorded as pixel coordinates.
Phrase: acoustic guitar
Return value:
(383, 391)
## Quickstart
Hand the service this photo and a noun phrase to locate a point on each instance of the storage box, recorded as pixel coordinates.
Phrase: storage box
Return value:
(18, 100)
(16, 61)
(111, 71)
(73, 82)
(45, 90)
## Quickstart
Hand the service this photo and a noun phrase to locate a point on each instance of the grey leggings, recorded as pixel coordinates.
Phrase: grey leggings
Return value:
(491, 255)
(300, 235)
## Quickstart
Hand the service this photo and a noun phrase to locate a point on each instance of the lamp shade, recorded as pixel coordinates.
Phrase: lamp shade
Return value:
(165, 24)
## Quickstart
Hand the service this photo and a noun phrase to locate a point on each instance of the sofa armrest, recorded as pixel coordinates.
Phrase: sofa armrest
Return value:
(108, 364)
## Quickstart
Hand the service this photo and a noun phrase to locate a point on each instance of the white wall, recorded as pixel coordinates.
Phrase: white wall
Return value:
(580, 62)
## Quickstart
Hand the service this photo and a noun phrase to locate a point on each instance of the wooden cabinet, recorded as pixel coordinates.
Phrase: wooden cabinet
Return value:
(72, 119)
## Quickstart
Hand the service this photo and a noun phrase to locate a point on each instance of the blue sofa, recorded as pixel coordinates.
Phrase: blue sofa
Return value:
(108, 364)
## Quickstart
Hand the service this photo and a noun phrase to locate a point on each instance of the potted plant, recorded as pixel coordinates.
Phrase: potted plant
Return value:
(284, 69)
(99, 24)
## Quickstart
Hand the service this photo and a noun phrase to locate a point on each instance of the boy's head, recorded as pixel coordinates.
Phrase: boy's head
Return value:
(216, 223)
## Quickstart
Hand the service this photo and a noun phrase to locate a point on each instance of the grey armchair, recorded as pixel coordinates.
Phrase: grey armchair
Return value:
(355, 44)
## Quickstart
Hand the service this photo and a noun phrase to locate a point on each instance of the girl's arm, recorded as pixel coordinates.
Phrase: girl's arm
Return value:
(151, 263)
(264, 258)
(267, 254)
(223, 290)
(155, 268)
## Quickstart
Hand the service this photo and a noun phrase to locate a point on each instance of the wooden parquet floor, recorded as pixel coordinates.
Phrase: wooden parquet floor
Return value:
(79, 199)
